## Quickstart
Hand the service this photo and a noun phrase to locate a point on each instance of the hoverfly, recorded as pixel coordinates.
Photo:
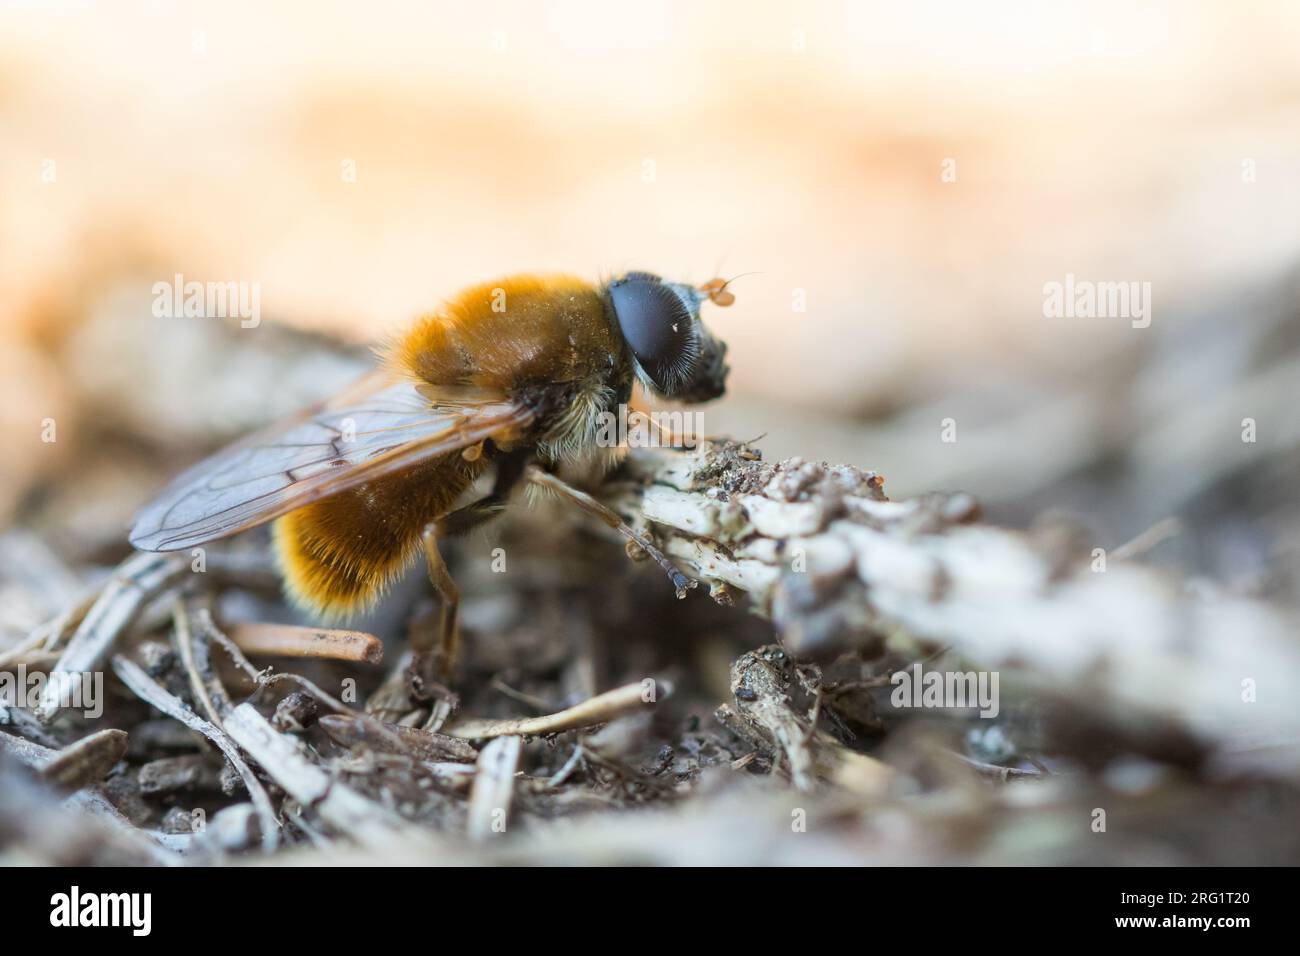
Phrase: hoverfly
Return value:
(511, 376)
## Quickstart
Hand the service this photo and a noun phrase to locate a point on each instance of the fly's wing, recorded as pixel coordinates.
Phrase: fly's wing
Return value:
(376, 428)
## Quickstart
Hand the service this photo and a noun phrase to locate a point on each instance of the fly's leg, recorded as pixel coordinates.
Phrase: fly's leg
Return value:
(443, 654)
(593, 507)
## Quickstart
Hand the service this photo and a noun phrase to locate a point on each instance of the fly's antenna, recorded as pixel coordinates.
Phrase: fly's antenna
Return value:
(716, 289)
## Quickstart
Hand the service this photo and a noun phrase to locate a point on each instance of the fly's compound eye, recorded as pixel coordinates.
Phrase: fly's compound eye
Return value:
(659, 328)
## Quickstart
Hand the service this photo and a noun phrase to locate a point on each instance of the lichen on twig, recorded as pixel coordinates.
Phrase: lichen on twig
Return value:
(836, 565)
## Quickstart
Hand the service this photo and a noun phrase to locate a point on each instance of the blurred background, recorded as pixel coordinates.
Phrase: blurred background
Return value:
(902, 180)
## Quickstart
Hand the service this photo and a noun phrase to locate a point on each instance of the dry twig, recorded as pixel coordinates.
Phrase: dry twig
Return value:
(598, 710)
(85, 762)
(286, 640)
(493, 791)
(139, 579)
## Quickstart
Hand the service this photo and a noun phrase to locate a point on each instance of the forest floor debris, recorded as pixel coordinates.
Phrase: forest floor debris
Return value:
(595, 718)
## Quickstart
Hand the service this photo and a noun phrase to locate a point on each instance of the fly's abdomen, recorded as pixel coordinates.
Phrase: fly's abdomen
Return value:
(340, 555)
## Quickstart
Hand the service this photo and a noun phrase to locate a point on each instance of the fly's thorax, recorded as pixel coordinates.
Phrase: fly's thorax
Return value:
(510, 332)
